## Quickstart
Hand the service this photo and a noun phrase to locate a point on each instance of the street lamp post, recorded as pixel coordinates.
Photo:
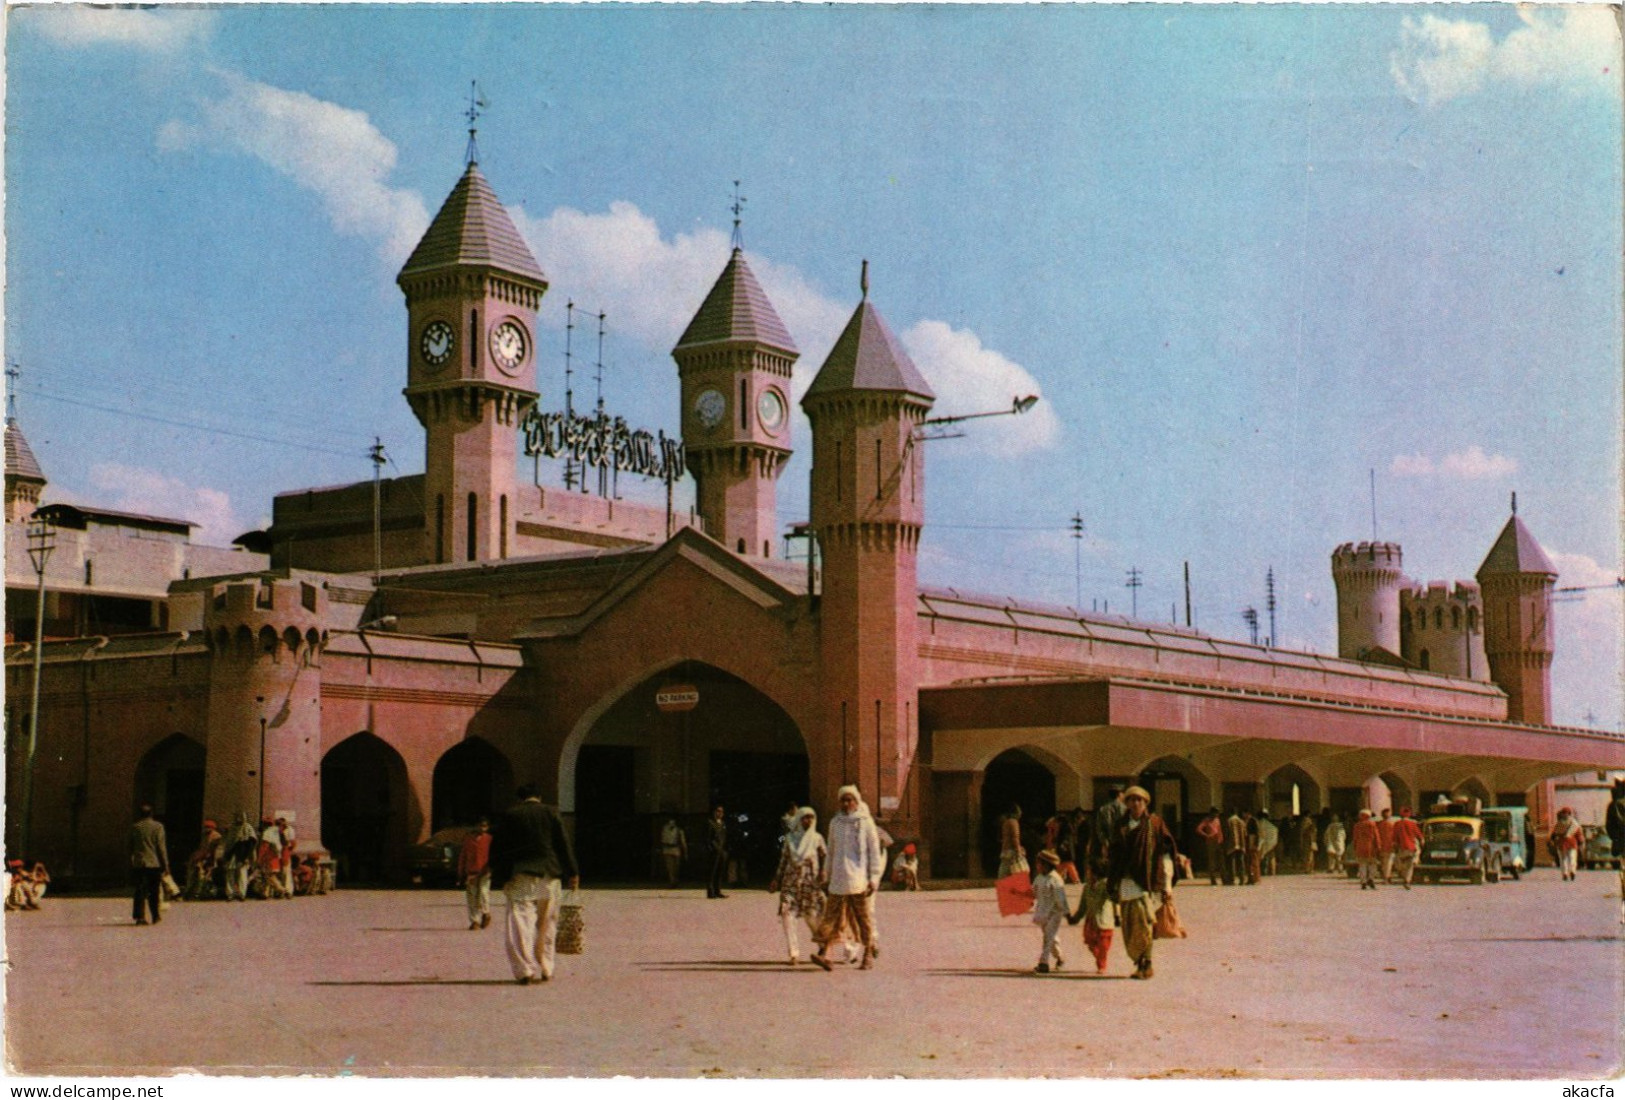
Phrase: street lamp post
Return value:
(260, 700)
(41, 541)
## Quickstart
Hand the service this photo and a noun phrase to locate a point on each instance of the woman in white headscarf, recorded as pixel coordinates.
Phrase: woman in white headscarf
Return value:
(799, 879)
(856, 862)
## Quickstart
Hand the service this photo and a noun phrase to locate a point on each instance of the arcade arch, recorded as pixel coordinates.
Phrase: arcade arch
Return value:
(368, 813)
(472, 779)
(1290, 790)
(170, 778)
(634, 761)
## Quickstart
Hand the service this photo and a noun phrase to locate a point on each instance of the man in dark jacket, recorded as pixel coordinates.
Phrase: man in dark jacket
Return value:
(530, 853)
(716, 841)
(149, 863)
(1614, 823)
(1141, 874)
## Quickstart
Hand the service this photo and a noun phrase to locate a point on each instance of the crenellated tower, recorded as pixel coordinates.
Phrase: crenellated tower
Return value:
(868, 505)
(734, 361)
(1517, 579)
(1368, 577)
(1441, 629)
(472, 290)
(264, 736)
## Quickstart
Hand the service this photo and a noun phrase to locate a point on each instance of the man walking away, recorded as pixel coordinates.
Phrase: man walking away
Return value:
(149, 863)
(1407, 845)
(1385, 840)
(716, 840)
(1235, 849)
(1212, 833)
(1367, 849)
(474, 874)
(530, 853)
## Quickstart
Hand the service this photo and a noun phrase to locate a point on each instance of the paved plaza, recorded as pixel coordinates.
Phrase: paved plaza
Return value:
(1297, 977)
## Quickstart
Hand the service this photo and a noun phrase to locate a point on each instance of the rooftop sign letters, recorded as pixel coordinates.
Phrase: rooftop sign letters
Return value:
(602, 441)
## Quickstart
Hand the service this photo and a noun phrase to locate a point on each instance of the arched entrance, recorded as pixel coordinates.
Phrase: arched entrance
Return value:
(1180, 793)
(472, 780)
(1015, 778)
(368, 817)
(170, 777)
(1291, 790)
(714, 739)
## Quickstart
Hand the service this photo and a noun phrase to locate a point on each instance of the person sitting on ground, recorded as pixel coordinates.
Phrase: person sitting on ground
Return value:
(905, 872)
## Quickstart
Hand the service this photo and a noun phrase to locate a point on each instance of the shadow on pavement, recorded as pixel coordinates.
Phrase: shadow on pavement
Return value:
(1544, 939)
(420, 928)
(420, 981)
(1074, 976)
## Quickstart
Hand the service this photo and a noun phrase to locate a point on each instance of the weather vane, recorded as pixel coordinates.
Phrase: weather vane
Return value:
(476, 104)
(738, 208)
(13, 372)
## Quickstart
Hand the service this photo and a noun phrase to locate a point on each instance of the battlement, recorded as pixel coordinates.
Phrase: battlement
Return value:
(1441, 592)
(1367, 555)
(265, 615)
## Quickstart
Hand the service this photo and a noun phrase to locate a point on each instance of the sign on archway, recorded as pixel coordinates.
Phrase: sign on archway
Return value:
(674, 698)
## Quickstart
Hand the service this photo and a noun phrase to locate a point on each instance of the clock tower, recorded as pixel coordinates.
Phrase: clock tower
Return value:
(472, 290)
(734, 363)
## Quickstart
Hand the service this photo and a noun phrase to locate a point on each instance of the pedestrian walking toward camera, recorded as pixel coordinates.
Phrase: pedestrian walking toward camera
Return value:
(290, 842)
(149, 863)
(1568, 838)
(1307, 836)
(798, 881)
(530, 854)
(856, 862)
(673, 850)
(1367, 849)
(1335, 842)
(1141, 875)
(716, 842)
(1385, 839)
(1407, 846)
(1097, 909)
(1211, 830)
(1050, 908)
(1269, 839)
(474, 874)
(241, 849)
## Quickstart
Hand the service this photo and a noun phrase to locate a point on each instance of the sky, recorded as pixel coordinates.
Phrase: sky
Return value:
(1282, 277)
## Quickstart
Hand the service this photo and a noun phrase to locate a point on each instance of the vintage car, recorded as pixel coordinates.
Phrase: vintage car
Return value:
(1456, 847)
(434, 862)
(1506, 827)
(1599, 849)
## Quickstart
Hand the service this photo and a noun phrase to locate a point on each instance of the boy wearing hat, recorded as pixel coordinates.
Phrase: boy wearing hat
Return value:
(1049, 907)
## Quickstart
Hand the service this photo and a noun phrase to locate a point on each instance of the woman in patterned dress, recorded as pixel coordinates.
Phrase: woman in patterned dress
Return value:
(801, 869)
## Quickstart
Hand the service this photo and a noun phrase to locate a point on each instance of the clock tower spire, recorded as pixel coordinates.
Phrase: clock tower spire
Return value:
(734, 361)
(472, 289)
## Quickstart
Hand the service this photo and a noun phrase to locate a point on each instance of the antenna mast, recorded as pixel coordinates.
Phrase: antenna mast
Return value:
(574, 474)
(738, 208)
(1077, 560)
(1133, 585)
(1269, 601)
(13, 372)
(603, 469)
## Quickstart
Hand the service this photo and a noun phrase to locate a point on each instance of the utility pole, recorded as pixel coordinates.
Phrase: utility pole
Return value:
(1077, 560)
(1187, 595)
(1269, 601)
(41, 541)
(1133, 585)
(376, 454)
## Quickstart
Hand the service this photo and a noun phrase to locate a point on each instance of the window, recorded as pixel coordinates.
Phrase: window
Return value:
(1438, 618)
(473, 528)
(1455, 618)
(1422, 659)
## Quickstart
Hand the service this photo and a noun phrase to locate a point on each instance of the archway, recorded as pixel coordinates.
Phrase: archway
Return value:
(170, 778)
(471, 780)
(1181, 793)
(1398, 793)
(714, 739)
(1015, 778)
(1291, 790)
(368, 817)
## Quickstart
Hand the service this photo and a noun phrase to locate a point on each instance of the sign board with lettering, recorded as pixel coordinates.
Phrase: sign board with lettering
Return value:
(674, 698)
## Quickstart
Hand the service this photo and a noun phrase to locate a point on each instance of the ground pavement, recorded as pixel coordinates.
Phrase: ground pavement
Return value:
(1296, 977)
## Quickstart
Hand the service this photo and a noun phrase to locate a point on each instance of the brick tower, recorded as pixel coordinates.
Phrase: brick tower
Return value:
(1368, 579)
(1516, 580)
(472, 290)
(868, 504)
(734, 361)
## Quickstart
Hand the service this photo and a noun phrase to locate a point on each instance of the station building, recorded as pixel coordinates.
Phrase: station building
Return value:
(394, 656)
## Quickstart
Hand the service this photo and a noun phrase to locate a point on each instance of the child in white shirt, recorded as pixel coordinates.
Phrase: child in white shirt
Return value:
(1050, 908)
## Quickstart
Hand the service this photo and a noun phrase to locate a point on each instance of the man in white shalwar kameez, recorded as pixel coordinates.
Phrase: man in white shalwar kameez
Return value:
(856, 863)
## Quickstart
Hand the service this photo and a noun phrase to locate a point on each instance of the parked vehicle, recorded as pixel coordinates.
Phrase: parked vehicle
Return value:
(1505, 828)
(1456, 847)
(434, 862)
(1598, 850)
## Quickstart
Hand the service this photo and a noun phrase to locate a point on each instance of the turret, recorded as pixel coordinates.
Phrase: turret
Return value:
(1517, 579)
(734, 361)
(24, 478)
(1368, 577)
(868, 505)
(1442, 629)
(266, 637)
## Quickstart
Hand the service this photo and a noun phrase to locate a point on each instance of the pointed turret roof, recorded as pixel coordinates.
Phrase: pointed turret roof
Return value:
(869, 357)
(473, 228)
(20, 460)
(737, 310)
(1516, 551)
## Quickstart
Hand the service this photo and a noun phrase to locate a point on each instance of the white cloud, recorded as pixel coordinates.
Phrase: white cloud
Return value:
(132, 489)
(1574, 47)
(155, 31)
(333, 151)
(651, 286)
(1473, 464)
(970, 378)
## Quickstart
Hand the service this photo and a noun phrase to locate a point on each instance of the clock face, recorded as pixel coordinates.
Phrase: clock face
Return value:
(710, 407)
(770, 407)
(508, 345)
(436, 343)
